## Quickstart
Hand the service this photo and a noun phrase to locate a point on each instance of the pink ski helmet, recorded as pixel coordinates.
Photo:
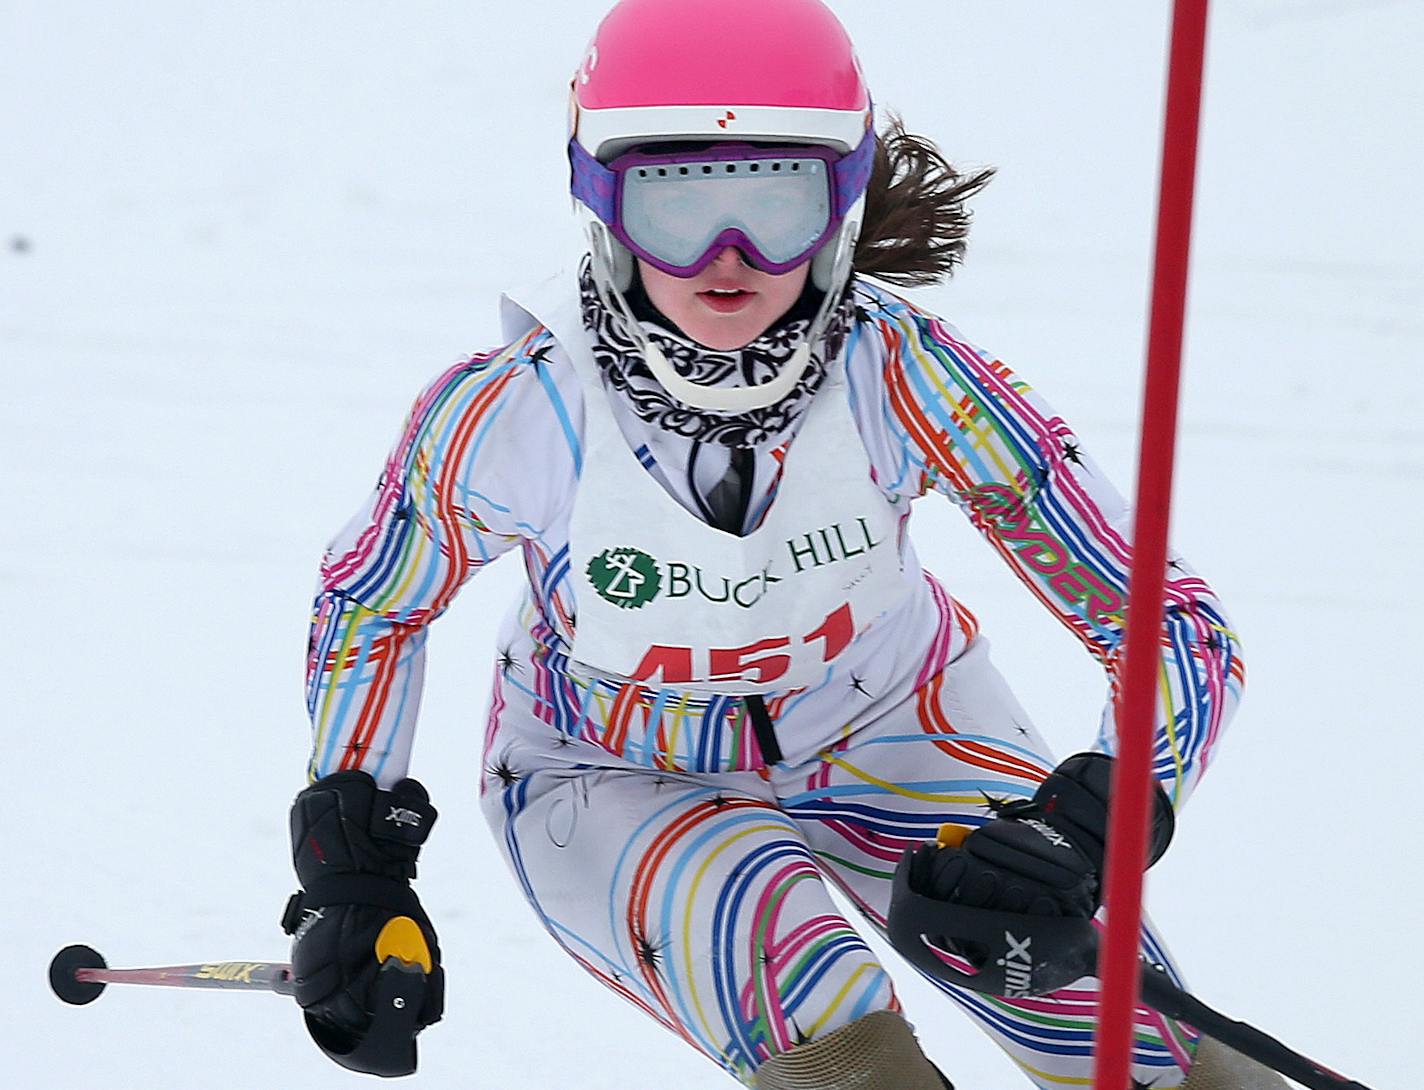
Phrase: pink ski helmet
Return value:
(739, 71)
(782, 71)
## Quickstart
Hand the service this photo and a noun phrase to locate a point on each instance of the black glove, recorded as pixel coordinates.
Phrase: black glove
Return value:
(1014, 899)
(354, 847)
(1014, 865)
(1041, 856)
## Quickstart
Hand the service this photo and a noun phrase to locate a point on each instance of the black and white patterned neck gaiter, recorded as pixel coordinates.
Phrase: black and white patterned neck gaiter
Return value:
(620, 360)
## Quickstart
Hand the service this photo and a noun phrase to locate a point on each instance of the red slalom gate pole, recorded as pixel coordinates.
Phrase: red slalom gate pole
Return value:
(1118, 966)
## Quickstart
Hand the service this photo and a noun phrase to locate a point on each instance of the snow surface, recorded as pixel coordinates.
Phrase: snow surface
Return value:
(235, 239)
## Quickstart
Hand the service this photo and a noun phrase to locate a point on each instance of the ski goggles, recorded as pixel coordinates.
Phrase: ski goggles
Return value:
(679, 210)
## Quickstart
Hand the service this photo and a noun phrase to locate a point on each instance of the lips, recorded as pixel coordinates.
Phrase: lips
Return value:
(726, 300)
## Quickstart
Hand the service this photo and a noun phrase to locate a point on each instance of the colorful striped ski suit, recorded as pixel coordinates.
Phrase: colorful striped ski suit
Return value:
(653, 841)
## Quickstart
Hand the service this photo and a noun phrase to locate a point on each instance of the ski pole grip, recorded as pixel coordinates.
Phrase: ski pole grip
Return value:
(387, 1047)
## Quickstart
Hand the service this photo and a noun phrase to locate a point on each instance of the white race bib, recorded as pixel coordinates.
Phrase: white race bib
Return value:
(665, 599)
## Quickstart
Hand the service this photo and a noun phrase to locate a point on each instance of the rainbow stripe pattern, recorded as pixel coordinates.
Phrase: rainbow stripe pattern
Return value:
(646, 831)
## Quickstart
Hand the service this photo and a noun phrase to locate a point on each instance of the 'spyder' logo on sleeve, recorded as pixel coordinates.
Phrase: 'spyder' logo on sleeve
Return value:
(629, 578)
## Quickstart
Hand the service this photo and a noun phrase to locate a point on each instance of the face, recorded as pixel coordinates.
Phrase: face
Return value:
(728, 304)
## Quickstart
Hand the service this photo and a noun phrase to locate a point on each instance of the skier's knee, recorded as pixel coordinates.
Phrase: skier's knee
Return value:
(875, 1052)
(1217, 1067)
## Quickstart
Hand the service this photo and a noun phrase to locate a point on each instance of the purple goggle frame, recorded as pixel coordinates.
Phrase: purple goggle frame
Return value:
(602, 188)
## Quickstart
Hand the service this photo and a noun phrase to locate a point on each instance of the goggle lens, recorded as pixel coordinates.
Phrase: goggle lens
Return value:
(777, 210)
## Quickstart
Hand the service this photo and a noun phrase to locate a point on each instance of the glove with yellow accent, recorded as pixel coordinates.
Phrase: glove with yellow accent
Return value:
(1005, 909)
(365, 958)
(1041, 856)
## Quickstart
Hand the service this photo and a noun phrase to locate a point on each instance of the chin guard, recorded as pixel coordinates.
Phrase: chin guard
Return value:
(987, 950)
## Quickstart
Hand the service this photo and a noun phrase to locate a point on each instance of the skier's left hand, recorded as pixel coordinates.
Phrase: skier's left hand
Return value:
(1041, 856)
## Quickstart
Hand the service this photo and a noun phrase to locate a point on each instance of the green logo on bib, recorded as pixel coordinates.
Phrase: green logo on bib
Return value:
(629, 578)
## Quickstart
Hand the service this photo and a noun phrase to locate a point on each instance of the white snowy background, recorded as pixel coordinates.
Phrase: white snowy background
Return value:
(235, 240)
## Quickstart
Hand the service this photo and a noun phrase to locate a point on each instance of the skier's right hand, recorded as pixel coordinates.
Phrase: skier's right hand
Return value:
(354, 847)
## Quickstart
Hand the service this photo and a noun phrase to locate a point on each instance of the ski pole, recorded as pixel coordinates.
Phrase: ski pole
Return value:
(998, 952)
(1159, 993)
(79, 974)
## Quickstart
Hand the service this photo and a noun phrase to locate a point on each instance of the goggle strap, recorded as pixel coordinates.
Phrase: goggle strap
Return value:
(593, 183)
(852, 173)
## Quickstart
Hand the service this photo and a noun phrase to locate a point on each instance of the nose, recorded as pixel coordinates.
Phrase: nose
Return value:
(729, 256)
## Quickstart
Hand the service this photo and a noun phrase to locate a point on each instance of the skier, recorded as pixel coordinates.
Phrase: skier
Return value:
(729, 682)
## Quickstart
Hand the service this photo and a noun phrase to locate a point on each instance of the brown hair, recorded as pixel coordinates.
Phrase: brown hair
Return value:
(916, 224)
